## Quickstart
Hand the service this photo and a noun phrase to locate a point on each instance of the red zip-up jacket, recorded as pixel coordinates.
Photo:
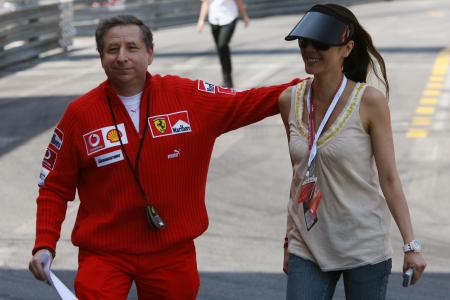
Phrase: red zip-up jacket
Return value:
(184, 119)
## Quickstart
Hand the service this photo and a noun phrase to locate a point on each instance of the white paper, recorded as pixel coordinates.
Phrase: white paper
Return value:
(62, 290)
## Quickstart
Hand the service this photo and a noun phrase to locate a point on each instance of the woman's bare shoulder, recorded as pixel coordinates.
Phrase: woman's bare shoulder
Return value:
(285, 96)
(373, 97)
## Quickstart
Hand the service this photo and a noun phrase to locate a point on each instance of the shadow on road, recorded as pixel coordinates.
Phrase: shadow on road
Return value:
(20, 284)
(23, 118)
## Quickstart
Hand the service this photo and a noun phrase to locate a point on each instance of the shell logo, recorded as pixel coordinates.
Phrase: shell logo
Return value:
(112, 136)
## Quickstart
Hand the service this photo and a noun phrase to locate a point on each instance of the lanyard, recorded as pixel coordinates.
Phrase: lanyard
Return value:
(134, 170)
(311, 118)
(153, 217)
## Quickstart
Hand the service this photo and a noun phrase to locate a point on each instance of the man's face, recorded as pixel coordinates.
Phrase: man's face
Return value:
(125, 57)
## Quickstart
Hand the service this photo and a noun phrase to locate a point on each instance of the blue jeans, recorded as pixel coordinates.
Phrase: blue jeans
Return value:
(307, 282)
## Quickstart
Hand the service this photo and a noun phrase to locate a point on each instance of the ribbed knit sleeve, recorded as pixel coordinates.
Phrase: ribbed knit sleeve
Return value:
(58, 180)
(228, 109)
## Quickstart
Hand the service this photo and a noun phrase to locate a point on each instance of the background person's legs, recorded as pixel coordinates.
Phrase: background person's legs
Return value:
(222, 37)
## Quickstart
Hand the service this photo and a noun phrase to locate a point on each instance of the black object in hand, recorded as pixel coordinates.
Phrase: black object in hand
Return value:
(407, 277)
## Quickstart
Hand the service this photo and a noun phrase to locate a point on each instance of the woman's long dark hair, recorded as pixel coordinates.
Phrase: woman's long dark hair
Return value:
(357, 64)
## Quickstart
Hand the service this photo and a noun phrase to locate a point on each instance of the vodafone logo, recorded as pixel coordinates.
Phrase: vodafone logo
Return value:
(48, 154)
(49, 159)
(94, 140)
(104, 138)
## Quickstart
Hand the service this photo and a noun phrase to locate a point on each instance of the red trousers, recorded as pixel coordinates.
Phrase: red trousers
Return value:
(167, 275)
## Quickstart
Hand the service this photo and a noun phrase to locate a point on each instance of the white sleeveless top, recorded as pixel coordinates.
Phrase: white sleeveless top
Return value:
(353, 217)
(222, 12)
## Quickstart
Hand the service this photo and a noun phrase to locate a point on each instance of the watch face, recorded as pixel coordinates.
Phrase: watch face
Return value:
(415, 246)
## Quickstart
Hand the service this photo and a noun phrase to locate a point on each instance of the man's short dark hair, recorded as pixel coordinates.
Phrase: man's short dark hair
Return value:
(121, 20)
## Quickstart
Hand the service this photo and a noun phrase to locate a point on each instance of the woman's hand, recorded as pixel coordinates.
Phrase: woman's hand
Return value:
(285, 261)
(246, 20)
(200, 25)
(416, 261)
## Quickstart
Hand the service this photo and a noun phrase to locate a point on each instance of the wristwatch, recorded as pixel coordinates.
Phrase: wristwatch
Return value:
(413, 246)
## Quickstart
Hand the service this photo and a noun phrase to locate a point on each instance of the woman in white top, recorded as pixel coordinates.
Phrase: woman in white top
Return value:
(222, 16)
(342, 152)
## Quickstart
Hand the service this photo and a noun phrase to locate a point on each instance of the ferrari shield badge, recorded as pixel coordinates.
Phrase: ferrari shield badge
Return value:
(160, 124)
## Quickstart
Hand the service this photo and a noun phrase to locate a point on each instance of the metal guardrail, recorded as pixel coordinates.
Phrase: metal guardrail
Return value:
(165, 13)
(155, 13)
(35, 27)
(264, 8)
(31, 29)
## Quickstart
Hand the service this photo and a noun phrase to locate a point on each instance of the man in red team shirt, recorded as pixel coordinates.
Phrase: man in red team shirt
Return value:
(137, 150)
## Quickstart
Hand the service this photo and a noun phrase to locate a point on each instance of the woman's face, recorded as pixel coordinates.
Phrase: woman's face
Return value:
(319, 60)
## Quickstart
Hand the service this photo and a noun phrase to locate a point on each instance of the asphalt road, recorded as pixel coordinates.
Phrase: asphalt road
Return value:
(240, 255)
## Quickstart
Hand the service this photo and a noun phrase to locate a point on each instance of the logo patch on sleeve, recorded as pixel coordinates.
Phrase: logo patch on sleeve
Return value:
(49, 158)
(174, 123)
(225, 90)
(57, 139)
(206, 87)
(109, 158)
(104, 138)
(42, 176)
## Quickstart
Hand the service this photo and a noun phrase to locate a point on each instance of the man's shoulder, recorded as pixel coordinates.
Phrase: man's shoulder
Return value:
(173, 84)
(171, 80)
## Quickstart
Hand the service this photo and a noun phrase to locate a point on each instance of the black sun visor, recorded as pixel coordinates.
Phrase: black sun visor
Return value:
(320, 27)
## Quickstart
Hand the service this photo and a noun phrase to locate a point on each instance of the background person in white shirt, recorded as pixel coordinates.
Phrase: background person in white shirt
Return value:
(223, 15)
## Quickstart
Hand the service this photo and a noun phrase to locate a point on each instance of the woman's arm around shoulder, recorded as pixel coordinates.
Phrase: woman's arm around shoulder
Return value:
(376, 120)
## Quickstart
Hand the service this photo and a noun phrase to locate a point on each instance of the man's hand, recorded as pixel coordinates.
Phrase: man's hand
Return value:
(40, 265)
